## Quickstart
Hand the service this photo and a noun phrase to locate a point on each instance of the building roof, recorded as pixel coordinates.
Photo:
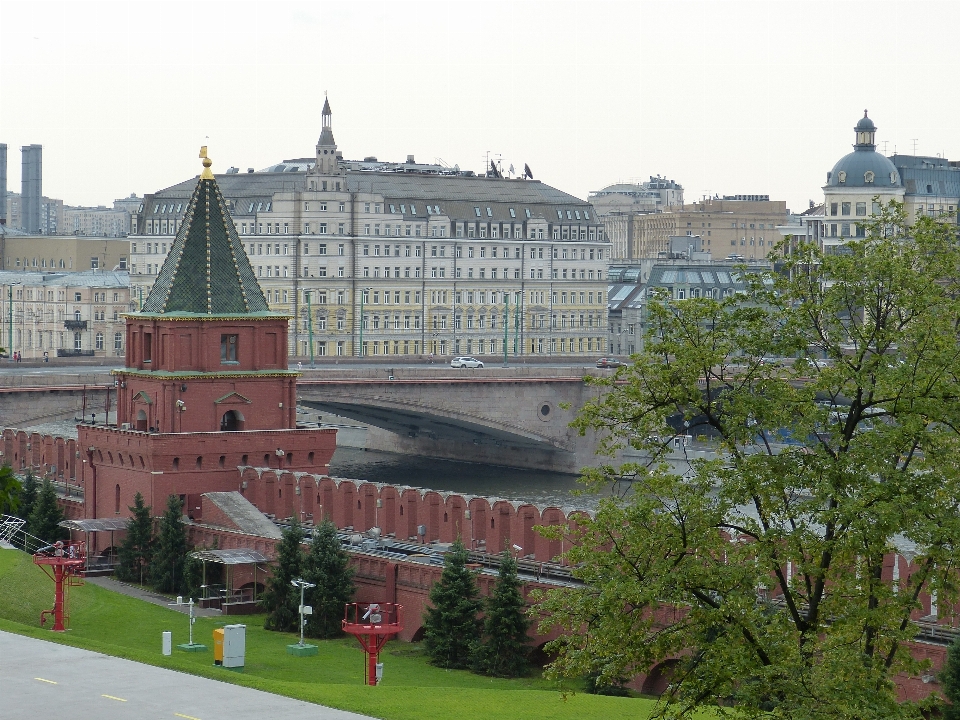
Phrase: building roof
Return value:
(207, 271)
(90, 279)
(243, 514)
(864, 168)
(456, 193)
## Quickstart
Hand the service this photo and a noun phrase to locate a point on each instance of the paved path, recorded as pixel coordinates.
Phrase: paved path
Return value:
(132, 590)
(40, 679)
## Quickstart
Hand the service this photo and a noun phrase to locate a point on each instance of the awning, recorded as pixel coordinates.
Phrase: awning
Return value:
(96, 524)
(230, 557)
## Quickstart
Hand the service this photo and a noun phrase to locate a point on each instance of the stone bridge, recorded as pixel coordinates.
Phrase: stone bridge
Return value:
(517, 416)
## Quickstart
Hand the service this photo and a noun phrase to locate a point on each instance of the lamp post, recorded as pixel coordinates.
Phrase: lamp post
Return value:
(506, 324)
(516, 328)
(363, 294)
(10, 322)
(310, 327)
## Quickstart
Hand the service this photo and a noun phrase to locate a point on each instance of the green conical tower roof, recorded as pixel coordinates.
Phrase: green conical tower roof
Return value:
(207, 271)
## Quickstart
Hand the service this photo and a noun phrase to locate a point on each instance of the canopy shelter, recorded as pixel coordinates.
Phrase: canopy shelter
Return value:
(103, 563)
(230, 600)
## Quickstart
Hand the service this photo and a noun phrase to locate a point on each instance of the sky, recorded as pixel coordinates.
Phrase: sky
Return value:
(724, 97)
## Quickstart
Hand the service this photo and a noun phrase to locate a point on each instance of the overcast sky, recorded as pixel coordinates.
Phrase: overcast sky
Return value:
(724, 97)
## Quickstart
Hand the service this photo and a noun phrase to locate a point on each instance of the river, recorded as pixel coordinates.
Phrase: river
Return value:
(539, 487)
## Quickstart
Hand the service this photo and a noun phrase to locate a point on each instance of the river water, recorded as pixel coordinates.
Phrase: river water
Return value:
(539, 487)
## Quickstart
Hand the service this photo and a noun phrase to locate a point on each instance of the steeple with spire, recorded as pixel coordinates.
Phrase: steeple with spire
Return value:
(327, 157)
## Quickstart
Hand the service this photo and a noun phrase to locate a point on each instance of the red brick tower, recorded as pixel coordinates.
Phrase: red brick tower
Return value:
(206, 388)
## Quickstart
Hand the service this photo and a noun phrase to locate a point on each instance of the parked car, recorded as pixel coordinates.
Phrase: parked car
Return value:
(609, 362)
(465, 362)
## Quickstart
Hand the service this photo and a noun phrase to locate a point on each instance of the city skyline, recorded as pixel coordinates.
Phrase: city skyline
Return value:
(725, 97)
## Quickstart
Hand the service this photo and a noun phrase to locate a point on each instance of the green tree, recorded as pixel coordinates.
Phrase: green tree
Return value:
(327, 566)
(775, 551)
(10, 491)
(46, 515)
(280, 599)
(503, 650)
(193, 576)
(950, 682)
(170, 551)
(451, 626)
(28, 498)
(136, 550)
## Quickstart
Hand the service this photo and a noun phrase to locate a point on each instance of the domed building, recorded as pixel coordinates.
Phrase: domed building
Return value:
(858, 182)
(863, 178)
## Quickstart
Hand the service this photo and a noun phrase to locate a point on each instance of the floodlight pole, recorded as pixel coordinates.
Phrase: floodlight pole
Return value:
(303, 585)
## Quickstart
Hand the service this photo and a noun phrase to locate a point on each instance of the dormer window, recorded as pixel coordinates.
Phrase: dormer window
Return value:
(893, 178)
(842, 176)
(868, 176)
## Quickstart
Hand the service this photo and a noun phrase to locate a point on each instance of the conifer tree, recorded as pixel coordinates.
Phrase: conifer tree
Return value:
(950, 682)
(46, 515)
(327, 567)
(503, 650)
(28, 498)
(136, 550)
(10, 491)
(451, 626)
(281, 600)
(170, 550)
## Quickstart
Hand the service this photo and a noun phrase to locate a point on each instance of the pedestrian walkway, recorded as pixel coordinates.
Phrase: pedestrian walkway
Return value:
(135, 591)
(41, 679)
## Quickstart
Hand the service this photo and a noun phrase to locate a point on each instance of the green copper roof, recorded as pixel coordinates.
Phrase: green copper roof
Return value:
(207, 271)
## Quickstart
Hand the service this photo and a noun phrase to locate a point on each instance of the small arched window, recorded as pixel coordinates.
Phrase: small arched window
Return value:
(116, 500)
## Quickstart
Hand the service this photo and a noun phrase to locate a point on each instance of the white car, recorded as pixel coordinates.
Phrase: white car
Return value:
(465, 362)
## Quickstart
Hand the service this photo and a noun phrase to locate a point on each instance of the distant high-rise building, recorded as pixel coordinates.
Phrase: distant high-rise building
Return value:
(31, 187)
(3, 183)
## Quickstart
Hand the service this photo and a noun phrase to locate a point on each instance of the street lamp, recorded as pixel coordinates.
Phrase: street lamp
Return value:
(506, 324)
(363, 294)
(310, 327)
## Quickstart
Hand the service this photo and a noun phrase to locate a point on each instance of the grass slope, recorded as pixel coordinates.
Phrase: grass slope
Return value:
(411, 688)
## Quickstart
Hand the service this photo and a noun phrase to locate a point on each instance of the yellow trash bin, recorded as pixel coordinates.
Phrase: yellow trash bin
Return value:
(218, 646)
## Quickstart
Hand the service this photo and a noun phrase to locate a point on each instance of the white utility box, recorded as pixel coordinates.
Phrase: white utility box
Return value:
(234, 645)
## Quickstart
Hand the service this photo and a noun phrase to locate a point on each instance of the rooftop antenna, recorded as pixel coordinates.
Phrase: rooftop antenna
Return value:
(914, 145)
(885, 146)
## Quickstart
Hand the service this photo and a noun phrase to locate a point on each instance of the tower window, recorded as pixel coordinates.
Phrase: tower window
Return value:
(228, 348)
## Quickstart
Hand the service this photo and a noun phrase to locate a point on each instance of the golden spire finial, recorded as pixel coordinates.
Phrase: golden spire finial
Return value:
(207, 173)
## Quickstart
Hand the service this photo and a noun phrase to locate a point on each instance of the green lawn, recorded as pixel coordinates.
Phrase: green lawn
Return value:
(411, 689)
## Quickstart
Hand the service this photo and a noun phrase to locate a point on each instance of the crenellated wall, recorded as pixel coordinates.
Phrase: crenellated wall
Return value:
(482, 523)
(51, 455)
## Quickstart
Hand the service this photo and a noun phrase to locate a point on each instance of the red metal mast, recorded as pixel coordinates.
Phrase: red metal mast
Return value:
(63, 563)
(380, 622)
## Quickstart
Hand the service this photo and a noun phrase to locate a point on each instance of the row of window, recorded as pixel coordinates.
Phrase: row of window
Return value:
(25, 339)
(468, 322)
(470, 346)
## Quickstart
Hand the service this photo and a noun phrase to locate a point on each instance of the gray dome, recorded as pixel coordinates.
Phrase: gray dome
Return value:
(865, 124)
(855, 166)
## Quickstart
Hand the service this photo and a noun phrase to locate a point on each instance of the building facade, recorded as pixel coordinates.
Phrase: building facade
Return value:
(676, 278)
(20, 252)
(864, 179)
(618, 204)
(64, 314)
(434, 261)
(728, 226)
